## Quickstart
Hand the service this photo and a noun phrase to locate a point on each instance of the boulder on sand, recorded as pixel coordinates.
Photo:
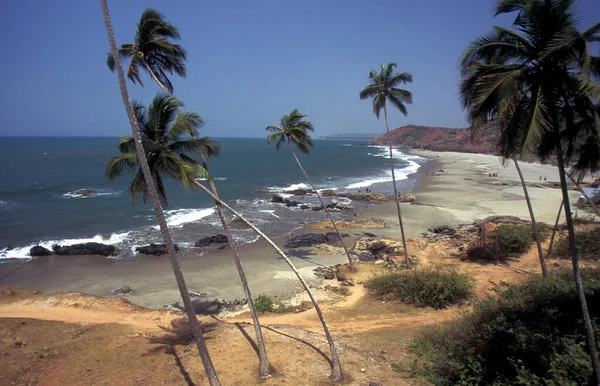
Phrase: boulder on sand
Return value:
(306, 240)
(84, 249)
(443, 230)
(154, 249)
(210, 240)
(38, 250)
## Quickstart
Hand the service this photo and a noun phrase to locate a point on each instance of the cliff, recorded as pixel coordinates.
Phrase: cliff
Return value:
(442, 139)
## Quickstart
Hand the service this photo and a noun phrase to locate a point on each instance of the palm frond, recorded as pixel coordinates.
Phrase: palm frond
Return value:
(124, 163)
(206, 146)
(186, 123)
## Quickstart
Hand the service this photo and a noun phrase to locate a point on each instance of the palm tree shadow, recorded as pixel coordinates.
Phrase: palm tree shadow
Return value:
(179, 333)
(303, 254)
(301, 341)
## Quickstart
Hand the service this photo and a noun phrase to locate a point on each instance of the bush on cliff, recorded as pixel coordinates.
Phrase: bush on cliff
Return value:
(586, 242)
(528, 334)
(424, 287)
(504, 241)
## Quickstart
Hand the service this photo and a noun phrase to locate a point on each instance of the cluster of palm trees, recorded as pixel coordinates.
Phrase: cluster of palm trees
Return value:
(539, 83)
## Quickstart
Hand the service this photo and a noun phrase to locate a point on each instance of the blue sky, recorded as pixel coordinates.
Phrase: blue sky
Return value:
(249, 62)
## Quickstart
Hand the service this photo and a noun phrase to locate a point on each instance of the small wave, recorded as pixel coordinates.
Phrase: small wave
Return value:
(287, 188)
(271, 212)
(401, 174)
(215, 178)
(23, 252)
(94, 193)
(179, 217)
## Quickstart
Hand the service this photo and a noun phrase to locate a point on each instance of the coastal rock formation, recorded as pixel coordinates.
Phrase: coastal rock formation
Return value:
(236, 223)
(122, 290)
(154, 249)
(210, 240)
(443, 230)
(363, 196)
(306, 240)
(366, 223)
(442, 139)
(277, 199)
(38, 250)
(84, 249)
(84, 192)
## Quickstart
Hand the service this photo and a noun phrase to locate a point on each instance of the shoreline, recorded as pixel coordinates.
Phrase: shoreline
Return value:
(459, 195)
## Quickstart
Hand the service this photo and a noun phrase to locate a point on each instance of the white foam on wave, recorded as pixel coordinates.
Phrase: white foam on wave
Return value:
(401, 174)
(97, 193)
(179, 217)
(23, 252)
(271, 212)
(215, 178)
(289, 188)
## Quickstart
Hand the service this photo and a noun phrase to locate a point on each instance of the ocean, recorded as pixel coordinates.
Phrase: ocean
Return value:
(39, 176)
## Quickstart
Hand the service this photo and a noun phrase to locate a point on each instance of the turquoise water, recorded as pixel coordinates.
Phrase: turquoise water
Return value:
(40, 175)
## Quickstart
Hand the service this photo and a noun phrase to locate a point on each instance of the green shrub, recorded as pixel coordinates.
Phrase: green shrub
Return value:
(489, 252)
(514, 239)
(529, 334)
(423, 287)
(586, 242)
(264, 303)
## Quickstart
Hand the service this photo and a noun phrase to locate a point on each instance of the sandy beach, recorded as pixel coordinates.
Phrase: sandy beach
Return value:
(462, 193)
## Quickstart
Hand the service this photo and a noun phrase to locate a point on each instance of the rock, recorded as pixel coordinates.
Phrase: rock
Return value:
(332, 237)
(236, 223)
(372, 223)
(328, 193)
(369, 234)
(500, 220)
(327, 273)
(316, 208)
(210, 240)
(84, 249)
(443, 230)
(84, 192)
(408, 197)
(292, 203)
(123, 290)
(38, 250)
(306, 240)
(154, 249)
(301, 192)
(304, 206)
(277, 199)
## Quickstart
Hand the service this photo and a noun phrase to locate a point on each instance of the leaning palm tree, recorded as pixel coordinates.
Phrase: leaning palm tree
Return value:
(293, 130)
(152, 193)
(383, 87)
(539, 80)
(155, 53)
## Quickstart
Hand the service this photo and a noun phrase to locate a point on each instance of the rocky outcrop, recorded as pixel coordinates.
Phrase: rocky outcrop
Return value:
(442, 139)
(366, 223)
(306, 240)
(236, 223)
(500, 220)
(84, 249)
(84, 192)
(210, 240)
(377, 197)
(38, 250)
(122, 290)
(277, 199)
(154, 249)
(443, 230)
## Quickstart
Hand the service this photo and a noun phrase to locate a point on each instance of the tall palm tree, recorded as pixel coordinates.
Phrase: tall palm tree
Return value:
(383, 87)
(160, 216)
(154, 52)
(163, 131)
(293, 130)
(539, 81)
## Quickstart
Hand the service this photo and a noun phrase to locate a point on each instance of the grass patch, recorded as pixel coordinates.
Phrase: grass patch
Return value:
(528, 334)
(507, 240)
(268, 304)
(423, 287)
(587, 243)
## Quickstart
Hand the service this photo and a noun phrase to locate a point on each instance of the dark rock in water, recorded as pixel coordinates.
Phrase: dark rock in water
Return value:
(123, 290)
(38, 250)
(301, 192)
(277, 199)
(210, 240)
(328, 193)
(316, 208)
(304, 207)
(369, 234)
(306, 240)
(236, 223)
(154, 249)
(84, 192)
(443, 230)
(84, 249)
(292, 203)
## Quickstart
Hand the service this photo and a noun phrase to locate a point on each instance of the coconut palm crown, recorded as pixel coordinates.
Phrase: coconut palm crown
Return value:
(383, 87)
(293, 128)
(153, 51)
(164, 134)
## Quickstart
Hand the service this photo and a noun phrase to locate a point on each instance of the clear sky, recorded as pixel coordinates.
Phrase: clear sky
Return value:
(249, 62)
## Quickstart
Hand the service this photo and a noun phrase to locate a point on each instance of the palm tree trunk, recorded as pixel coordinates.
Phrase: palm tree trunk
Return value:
(264, 366)
(591, 340)
(389, 138)
(533, 223)
(336, 371)
(324, 207)
(185, 296)
(554, 230)
(580, 189)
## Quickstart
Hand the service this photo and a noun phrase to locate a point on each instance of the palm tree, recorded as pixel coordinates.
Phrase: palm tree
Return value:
(538, 81)
(160, 216)
(163, 133)
(383, 88)
(153, 51)
(293, 129)
(157, 55)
